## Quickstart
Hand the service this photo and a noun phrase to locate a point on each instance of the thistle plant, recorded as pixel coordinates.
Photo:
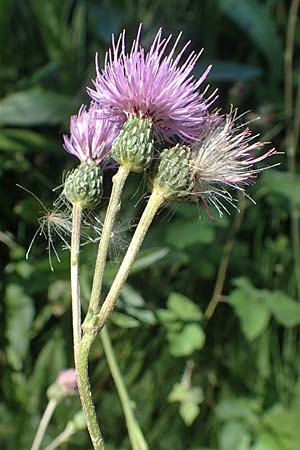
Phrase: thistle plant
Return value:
(147, 115)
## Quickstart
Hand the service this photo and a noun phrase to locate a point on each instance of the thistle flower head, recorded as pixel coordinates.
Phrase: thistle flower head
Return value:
(91, 137)
(67, 381)
(156, 85)
(223, 159)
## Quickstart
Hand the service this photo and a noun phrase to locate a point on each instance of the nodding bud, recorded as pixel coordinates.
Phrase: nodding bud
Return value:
(134, 144)
(172, 174)
(84, 186)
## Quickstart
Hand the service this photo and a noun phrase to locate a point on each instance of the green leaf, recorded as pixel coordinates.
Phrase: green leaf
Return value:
(20, 312)
(266, 441)
(124, 321)
(183, 307)
(134, 304)
(234, 436)
(284, 424)
(182, 233)
(233, 409)
(285, 309)
(281, 183)
(253, 314)
(16, 140)
(166, 316)
(185, 342)
(149, 257)
(34, 107)
(258, 22)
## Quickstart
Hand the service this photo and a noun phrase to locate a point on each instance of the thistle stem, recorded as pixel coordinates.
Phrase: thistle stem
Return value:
(61, 438)
(113, 208)
(217, 294)
(89, 329)
(135, 433)
(156, 200)
(84, 389)
(75, 287)
(44, 424)
(81, 357)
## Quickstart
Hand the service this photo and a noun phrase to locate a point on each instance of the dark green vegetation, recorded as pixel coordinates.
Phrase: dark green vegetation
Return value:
(229, 382)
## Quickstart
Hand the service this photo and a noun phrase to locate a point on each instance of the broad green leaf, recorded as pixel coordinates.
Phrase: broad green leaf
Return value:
(20, 312)
(183, 307)
(266, 441)
(124, 321)
(234, 436)
(182, 233)
(253, 314)
(34, 107)
(284, 308)
(284, 424)
(166, 316)
(233, 409)
(185, 342)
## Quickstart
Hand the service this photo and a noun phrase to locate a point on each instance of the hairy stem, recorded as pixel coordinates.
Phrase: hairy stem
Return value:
(81, 350)
(75, 287)
(135, 433)
(43, 424)
(112, 210)
(156, 200)
(85, 393)
(95, 323)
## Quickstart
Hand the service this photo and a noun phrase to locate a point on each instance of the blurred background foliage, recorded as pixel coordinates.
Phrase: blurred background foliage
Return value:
(207, 327)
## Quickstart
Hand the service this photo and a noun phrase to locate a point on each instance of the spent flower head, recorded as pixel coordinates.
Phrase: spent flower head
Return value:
(158, 85)
(225, 159)
(91, 137)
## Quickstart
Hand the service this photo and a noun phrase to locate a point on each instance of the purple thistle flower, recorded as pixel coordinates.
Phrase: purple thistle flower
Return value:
(156, 85)
(224, 159)
(91, 137)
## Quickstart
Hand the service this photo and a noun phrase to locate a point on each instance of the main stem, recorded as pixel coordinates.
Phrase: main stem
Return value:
(81, 358)
(111, 213)
(84, 389)
(44, 424)
(90, 331)
(75, 287)
(156, 200)
(136, 436)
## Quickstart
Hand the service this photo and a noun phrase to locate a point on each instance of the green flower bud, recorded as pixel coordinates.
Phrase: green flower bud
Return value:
(79, 421)
(173, 174)
(84, 186)
(134, 145)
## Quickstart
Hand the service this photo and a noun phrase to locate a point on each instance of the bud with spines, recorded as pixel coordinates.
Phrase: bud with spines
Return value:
(84, 186)
(134, 144)
(173, 174)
